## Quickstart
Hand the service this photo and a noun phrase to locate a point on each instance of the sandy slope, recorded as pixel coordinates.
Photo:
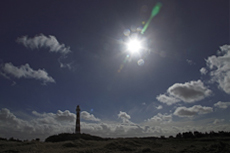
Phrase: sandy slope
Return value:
(120, 145)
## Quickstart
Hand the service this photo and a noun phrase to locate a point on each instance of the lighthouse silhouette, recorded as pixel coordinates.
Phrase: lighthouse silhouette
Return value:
(77, 128)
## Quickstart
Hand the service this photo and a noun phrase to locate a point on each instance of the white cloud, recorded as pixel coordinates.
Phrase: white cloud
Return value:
(190, 62)
(220, 68)
(161, 118)
(5, 115)
(203, 71)
(42, 126)
(169, 100)
(113, 129)
(222, 104)
(188, 92)
(159, 107)
(42, 41)
(192, 111)
(124, 116)
(11, 126)
(87, 116)
(25, 71)
(59, 116)
(217, 121)
(64, 63)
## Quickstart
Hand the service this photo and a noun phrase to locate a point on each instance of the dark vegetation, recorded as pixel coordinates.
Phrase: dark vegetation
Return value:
(70, 137)
(18, 140)
(185, 135)
(214, 142)
(197, 134)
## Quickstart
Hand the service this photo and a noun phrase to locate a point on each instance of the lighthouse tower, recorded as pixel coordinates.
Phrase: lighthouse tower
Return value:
(77, 129)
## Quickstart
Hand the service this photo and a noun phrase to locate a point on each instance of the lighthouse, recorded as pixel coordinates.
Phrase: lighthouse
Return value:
(77, 128)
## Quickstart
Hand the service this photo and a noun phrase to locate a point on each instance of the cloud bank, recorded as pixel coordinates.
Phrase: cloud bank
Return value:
(42, 125)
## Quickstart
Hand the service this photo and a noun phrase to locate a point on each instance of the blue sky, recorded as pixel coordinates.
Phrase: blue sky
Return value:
(56, 55)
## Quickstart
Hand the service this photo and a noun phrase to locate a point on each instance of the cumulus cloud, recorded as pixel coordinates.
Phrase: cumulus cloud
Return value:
(203, 71)
(192, 111)
(87, 116)
(6, 115)
(25, 71)
(222, 104)
(124, 116)
(159, 107)
(219, 66)
(188, 92)
(190, 62)
(59, 116)
(42, 41)
(161, 118)
(169, 100)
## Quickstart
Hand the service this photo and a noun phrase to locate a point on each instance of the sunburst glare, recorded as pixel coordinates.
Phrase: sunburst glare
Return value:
(134, 46)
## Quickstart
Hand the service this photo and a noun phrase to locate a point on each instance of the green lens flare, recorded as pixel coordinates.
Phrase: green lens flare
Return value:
(146, 26)
(155, 11)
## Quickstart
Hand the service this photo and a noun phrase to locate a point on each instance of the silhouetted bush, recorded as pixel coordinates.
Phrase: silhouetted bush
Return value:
(61, 137)
(179, 135)
(224, 134)
(37, 139)
(3, 139)
(188, 135)
(149, 138)
(171, 137)
(69, 136)
(213, 134)
(197, 134)
(12, 139)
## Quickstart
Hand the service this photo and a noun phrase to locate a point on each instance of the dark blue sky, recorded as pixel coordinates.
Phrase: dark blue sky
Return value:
(58, 54)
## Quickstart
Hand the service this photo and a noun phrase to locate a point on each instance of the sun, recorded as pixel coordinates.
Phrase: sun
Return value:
(134, 46)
